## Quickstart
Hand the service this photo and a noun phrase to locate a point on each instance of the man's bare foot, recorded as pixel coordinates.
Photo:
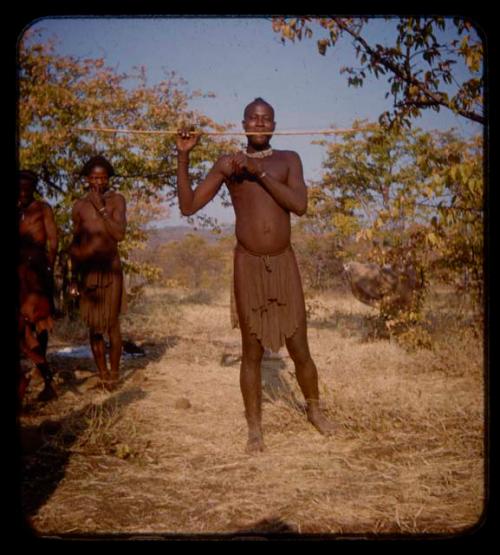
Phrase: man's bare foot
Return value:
(107, 381)
(47, 394)
(255, 443)
(319, 421)
(111, 385)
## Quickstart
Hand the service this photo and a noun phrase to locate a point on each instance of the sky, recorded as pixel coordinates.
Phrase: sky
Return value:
(239, 59)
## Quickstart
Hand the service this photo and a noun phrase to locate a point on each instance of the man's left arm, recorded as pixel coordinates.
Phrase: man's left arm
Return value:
(292, 195)
(113, 214)
(51, 231)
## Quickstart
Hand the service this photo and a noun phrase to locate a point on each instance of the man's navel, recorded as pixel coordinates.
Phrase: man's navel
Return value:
(267, 228)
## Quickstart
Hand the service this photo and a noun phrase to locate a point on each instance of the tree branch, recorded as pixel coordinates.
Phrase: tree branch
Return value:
(437, 98)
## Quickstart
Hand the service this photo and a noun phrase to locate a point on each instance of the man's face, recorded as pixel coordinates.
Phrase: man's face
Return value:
(98, 179)
(259, 117)
(26, 191)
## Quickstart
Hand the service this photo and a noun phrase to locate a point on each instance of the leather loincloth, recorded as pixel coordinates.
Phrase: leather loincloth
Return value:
(102, 296)
(267, 295)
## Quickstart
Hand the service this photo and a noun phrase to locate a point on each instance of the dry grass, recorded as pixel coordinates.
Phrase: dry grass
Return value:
(408, 456)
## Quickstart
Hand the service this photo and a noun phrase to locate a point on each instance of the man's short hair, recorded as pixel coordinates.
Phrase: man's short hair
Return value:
(29, 176)
(97, 161)
(258, 100)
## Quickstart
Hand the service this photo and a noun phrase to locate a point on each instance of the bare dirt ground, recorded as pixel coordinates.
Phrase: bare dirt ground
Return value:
(165, 453)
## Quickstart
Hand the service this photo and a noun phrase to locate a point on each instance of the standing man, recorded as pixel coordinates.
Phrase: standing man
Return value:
(37, 255)
(99, 223)
(265, 185)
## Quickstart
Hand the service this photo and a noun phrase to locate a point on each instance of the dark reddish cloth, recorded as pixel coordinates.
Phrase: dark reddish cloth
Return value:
(36, 304)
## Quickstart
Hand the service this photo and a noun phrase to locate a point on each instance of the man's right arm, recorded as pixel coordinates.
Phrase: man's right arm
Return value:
(191, 201)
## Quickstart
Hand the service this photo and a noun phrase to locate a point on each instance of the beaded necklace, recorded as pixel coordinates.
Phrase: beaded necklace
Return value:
(259, 153)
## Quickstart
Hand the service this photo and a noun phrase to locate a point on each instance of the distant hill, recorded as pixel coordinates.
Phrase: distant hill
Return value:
(162, 235)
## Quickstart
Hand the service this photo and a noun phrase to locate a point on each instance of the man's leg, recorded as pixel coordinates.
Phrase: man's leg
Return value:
(251, 389)
(48, 391)
(99, 351)
(115, 341)
(24, 381)
(252, 352)
(307, 377)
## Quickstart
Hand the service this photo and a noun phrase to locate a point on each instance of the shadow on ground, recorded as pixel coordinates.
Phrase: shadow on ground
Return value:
(275, 383)
(267, 527)
(275, 375)
(45, 448)
(79, 374)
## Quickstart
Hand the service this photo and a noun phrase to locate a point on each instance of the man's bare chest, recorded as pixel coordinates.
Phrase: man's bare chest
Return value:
(90, 213)
(30, 220)
(277, 170)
